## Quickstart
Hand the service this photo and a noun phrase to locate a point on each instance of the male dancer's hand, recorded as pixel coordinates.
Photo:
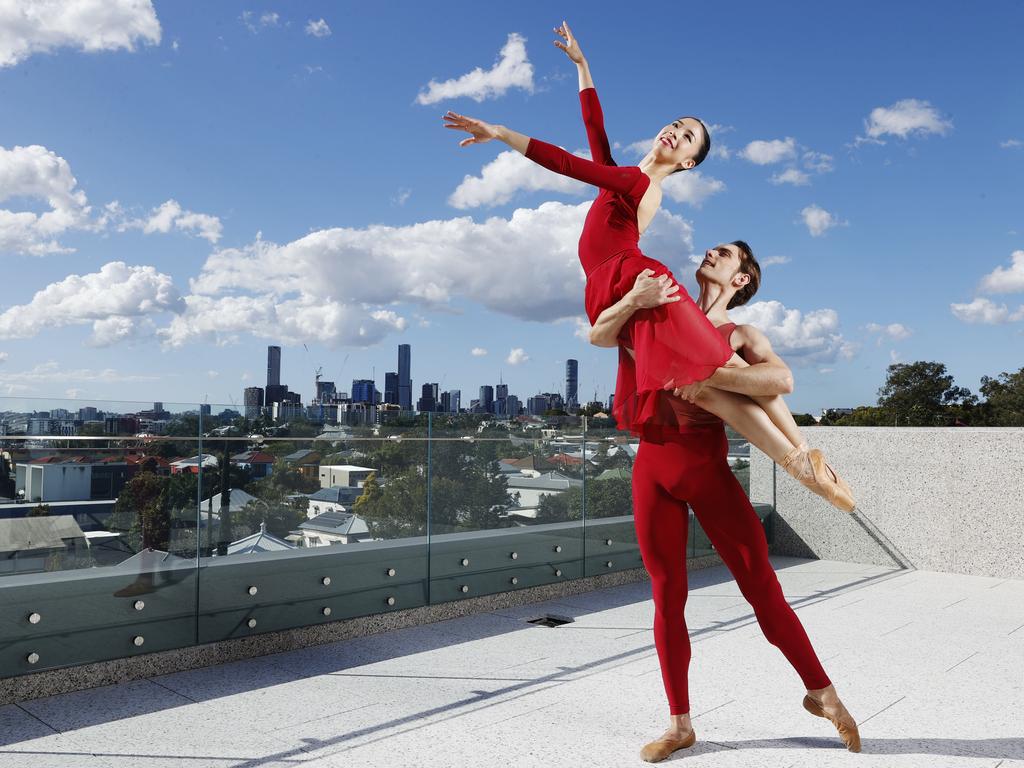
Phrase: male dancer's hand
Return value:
(481, 131)
(692, 391)
(648, 292)
(571, 45)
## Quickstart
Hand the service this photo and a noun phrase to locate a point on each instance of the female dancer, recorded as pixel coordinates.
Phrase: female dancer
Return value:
(672, 346)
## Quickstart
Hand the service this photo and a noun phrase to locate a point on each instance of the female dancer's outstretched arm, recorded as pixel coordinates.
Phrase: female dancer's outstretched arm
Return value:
(593, 117)
(623, 180)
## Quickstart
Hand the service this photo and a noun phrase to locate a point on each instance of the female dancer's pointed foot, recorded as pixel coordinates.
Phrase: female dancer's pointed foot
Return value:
(811, 470)
(835, 712)
(669, 742)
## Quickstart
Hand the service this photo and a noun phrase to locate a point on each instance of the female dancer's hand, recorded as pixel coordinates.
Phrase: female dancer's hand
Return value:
(571, 46)
(648, 292)
(480, 130)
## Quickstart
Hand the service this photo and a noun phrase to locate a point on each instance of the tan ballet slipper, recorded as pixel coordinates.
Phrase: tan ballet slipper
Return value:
(848, 733)
(812, 471)
(659, 749)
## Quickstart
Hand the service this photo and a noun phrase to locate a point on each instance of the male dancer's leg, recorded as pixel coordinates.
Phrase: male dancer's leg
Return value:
(661, 528)
(732, 525)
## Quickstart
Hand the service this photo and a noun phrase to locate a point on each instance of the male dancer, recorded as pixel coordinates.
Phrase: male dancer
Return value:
(692, 467)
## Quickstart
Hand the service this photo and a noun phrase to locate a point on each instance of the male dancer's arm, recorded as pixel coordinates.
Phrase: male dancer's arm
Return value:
(646, 292)
(767, 374)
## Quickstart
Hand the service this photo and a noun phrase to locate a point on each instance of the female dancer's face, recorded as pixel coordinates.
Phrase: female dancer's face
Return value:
(678, 142)
(721, 264)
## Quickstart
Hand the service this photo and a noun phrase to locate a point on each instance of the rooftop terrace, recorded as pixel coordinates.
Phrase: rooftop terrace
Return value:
(929, 663)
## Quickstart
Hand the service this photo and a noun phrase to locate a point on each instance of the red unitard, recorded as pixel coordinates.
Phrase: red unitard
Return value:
(691, 467)
(674, 343)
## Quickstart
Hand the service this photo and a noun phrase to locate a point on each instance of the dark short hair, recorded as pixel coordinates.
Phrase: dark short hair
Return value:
(748, 266)
(704, 148)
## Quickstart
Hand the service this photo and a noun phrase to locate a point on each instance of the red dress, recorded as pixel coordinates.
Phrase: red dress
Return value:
(675, 344)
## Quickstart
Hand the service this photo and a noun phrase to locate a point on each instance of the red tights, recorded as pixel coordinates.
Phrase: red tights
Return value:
(693, 468)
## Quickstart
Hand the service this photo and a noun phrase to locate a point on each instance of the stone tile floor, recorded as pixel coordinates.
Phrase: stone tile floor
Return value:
(930, 664)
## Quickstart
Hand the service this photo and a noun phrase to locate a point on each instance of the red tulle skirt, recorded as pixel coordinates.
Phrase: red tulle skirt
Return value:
(675, 345)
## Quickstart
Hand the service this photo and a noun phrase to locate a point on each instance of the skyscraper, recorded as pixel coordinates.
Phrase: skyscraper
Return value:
(252, 397)
(273, 366)
(364, 391)
(391, 387)
(487, 398)
(454, 400)
(405, 376)
(571, 384)
(428, 401)
(500, 396)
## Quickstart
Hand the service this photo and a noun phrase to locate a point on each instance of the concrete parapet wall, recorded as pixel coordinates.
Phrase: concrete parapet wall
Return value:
(949, 498)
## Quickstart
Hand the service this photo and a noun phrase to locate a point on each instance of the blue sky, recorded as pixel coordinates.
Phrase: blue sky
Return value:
(182, 184)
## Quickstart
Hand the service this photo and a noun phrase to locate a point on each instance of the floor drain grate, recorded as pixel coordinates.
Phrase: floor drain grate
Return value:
(550, 620)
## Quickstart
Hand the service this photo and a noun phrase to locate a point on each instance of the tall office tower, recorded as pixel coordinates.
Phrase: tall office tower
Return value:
(275, 393)
(405, 376)
(512, 406)
(364, 391)
(446, 402)
(454, 400)
(500, 396)
(537, 404)
(252, 397)
(391, 387)
(273, 366)
(487, 398)
(158, 407)
(428, 402)
(571, 382)
(611, 402)
(205, 409)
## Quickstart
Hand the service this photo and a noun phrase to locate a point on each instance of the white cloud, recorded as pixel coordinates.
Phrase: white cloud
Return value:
(165, 217)
(1011, 144)
(1006, 279)
(768, 152)
(3, 357)
(893, 331)
(43, 375)
(772, 260)
(691, 187)
(478, 352)
(509, 173)
(511, 70)
(908, 117)
(516, 356)
(318, 28)
(818, 162)
(328, 285)
(793, 176)
(818, 220)
(983, 310)
(112, 299)
(36, 173)
(582, 328)
(255, 23)
(87, 25)
(402, 195)
(799, 338)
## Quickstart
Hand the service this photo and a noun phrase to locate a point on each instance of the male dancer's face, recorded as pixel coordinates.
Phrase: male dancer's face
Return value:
(721, 267)
(679, 141)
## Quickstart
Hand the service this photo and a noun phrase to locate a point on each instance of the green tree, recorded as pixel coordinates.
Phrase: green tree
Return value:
(142, 513)
(804, 420)
(39, 510)
(1004, 400)
(923, 394)
(866, 416)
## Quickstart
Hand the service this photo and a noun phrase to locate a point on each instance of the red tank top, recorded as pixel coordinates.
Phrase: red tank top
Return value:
(689, 414)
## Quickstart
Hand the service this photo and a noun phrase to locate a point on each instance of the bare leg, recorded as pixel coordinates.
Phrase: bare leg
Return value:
(775, 407)
(749, 419)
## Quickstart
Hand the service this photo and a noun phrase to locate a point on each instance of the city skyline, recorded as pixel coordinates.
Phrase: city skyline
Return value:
(156, 239)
